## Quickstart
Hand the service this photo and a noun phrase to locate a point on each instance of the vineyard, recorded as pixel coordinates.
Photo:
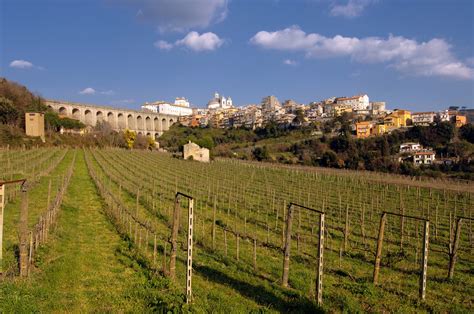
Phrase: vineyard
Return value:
(241, 213)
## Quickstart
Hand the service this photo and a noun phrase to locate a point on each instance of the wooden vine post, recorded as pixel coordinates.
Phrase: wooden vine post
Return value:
(378, 254)
(174, 243)
(454, 245)
(424, 261)
(286, 248)
(3, 196)
(2, 207)
(24, 233)
(320, 254)
(174, 238)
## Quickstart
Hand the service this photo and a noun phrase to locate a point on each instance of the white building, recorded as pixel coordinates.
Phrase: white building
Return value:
(410, 147)
(423, 118)
(181, 101)
(424, 158)
(377, 108)
(220, 102)
(446, 115)
(179, 108)
(358, 102)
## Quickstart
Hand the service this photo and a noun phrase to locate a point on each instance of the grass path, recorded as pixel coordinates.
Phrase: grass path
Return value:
(82, 270)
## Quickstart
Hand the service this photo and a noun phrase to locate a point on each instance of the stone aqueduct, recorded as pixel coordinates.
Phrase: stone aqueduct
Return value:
(146, 123)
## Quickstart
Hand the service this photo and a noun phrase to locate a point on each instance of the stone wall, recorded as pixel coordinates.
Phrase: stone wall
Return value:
(197, 153)
(146, 123)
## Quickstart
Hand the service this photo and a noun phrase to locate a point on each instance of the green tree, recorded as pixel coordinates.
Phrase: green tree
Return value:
(206, 141)
(466, 132)
(8, 113)
(329, 159)
(260, 153)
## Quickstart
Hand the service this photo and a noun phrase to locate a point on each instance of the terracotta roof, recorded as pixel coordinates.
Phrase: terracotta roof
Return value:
(424, 153)
(416, 113)
(349, 98)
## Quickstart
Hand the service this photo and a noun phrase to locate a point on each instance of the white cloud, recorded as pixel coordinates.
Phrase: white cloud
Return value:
(431, 58)
(93, 91)
(290, 62)
(291, 38)
(179, 15)
(108, 92)
(21, 64)
(353, 8)
(206, 41)
(163, 45)
(194, 41)
(87, 91)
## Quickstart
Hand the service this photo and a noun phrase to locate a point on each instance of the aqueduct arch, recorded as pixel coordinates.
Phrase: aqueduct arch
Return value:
(151, 124)
(121, 122)
(99, 116)
(88, 117)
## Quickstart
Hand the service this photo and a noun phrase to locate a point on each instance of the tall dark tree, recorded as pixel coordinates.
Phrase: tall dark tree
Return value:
(8, 113)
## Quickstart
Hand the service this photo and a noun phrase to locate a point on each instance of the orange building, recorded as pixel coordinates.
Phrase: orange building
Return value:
(460, 121)
(364, 129)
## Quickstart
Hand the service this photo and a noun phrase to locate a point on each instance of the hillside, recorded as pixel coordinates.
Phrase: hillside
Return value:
(336, 148)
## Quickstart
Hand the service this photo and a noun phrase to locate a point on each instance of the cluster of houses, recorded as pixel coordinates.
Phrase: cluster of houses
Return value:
(374, 119)
(403, 118)
(416, 154)
(220, 112)
(369, 118)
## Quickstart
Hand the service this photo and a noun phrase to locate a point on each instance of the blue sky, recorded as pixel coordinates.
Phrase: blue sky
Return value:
(412, 54)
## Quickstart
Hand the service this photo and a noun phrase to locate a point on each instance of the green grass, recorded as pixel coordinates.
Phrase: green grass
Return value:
(83, 269)
(347, 281)
(92, 265)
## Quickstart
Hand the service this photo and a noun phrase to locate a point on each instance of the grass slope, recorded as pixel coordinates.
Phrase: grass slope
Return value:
(83, 269)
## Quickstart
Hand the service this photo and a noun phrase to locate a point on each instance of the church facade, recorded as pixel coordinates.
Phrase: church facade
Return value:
(219, 102)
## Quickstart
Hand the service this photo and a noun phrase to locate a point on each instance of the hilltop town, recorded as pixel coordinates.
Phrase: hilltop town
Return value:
(368, 118)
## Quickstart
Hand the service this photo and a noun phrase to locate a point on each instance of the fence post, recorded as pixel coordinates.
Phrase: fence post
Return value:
(154, 251)
(24, 234)
(319, 279)
(30, 256)
(454, 249)
(214, 224)
(189, 265)
(286, 256)
(346, 229)
(255, 254)
(378, 255)
(174, 236)
(2, 206)
(424, 263)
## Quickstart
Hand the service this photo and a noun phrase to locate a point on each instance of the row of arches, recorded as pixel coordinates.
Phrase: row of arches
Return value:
(118, 121)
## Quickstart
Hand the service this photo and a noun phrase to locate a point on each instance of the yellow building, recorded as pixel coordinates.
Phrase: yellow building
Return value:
(397, 119)
(379, 129)
(339, 109)
(364, 129)
(460, 121)
(34, 124)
